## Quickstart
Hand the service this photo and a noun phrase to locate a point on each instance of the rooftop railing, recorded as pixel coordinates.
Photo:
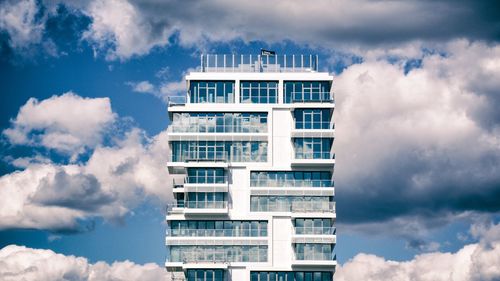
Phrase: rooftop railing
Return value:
(258, 63)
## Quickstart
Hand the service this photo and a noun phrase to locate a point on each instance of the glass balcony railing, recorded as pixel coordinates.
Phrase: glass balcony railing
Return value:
(304, 230)
(176, 100)
(314, 155)
(291, 183)
(206, 179)
(217, 232)
(219, 156)
(304, 97)
(314, 251)
(198, 205)
(314, 125)
(206, 204)
(315, 257)
(294, 206)
(209, 128)
(217, 254)
(222, 156)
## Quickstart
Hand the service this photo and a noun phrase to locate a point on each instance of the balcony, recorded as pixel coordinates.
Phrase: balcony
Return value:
(216, 232)
(298, 207)
(198, 207)
(312, 97)
(178, 164)
(204, 254)
(328, 264)
(176, 100)
(210, 132)
(314, 235)
(313, 129)
(258, 63)
(311, 230)
(179, 127)
(313, 159)
(302, 183)
(314, 255)
(206, 184)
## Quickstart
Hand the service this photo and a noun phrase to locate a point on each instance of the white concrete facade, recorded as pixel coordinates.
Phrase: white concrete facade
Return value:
(269, 208)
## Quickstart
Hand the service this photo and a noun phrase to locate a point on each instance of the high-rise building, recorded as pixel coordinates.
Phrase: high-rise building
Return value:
(251, 160)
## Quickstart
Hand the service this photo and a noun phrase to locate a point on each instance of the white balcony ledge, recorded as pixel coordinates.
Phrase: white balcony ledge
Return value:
(314, 263)
(313, 133)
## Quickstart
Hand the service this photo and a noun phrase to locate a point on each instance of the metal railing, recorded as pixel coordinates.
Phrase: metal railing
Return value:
(291, 183)
(302, 125)
(304, 230)
(258, 63)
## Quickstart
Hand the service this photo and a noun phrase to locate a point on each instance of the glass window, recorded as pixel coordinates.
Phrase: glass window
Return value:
(211, 91)
(259, 92)
(312, 118)
(313, 148)
(307, 91)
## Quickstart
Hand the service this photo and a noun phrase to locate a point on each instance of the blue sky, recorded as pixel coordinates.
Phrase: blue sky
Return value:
(83, 119)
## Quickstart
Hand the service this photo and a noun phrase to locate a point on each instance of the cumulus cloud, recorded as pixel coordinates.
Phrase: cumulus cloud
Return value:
(66, 197)
(19, 20)
(339, 24)
(66, 123)
(477, 261)
(121, 29)
(421, 146)
(22, 263)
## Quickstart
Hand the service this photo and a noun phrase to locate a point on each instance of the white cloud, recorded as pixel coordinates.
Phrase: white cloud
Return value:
(18, 19)
(473, 262)
(127, 28)
(142, 87)
(114, 179)
(121, 30)
(423, 144)
(66, 123)
(110, 184)
(22, 263)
